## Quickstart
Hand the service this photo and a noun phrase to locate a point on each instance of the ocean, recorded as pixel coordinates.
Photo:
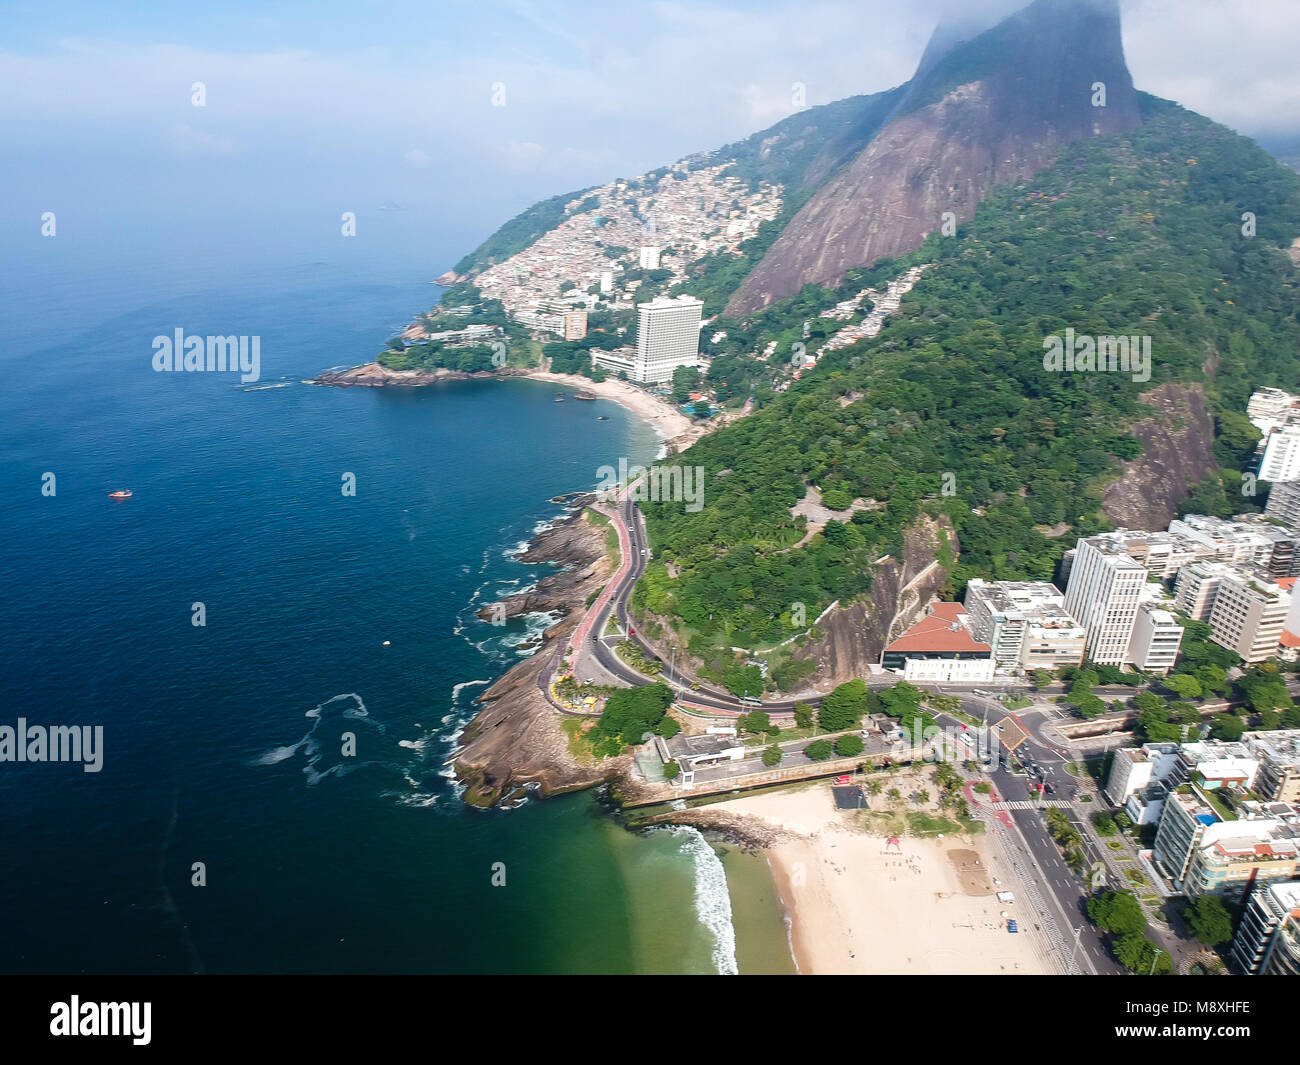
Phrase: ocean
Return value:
(227, 830)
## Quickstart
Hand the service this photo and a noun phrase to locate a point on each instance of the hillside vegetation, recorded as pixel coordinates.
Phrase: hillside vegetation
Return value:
(1135, 234)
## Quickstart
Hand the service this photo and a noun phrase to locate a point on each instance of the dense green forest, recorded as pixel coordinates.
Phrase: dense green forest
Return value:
(1140, 234)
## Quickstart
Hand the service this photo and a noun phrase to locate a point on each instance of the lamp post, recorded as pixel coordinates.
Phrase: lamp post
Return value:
(1154, 959)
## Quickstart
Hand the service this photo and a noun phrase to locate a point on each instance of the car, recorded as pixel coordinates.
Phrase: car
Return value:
(1012, 926)
(1049, 789)
(631, 631)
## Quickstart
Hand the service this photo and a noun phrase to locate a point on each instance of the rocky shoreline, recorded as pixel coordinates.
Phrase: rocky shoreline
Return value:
(516, 743)
(373, 375)
(568, 543)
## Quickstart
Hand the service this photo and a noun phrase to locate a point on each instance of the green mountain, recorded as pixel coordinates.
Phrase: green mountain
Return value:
(1136, 219)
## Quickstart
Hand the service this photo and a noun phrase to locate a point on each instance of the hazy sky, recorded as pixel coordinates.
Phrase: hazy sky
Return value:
(323, 106)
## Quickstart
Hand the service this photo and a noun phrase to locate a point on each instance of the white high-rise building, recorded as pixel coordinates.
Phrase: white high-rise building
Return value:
(1104, 594)
(649, 258)
(667, 336)
(1281, 461)
(1157, 636)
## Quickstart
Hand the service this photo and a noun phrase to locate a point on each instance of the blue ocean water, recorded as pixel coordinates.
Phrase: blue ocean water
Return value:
(222, 743)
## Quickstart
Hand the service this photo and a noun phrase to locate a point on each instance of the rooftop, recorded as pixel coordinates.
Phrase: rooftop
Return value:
(940, 630)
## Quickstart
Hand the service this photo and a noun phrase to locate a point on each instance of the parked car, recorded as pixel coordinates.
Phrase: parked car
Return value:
(1012, 926)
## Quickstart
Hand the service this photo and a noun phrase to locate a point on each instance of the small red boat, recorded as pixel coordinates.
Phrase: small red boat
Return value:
(123, 493)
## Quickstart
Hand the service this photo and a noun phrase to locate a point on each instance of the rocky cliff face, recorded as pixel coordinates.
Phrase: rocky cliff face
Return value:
(970, 119)
(1177, 451)
(855, 635)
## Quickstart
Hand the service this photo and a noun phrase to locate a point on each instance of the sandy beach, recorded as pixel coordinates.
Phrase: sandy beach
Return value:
(668, 421)
(857, 904)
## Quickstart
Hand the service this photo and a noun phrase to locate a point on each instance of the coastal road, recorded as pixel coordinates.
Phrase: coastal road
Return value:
(1022, 833)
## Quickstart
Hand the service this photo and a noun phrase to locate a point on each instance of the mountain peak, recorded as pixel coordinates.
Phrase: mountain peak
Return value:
(985, 106)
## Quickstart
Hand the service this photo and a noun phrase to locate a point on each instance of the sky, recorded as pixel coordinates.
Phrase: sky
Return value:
(465, 113)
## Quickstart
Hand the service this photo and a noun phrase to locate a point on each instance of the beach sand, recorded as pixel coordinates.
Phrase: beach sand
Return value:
(857, 905)
(668, 421)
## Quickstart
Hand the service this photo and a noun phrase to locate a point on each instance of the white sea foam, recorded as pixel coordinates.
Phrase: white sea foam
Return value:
(455, 692)
(309, 746)
(712, 899)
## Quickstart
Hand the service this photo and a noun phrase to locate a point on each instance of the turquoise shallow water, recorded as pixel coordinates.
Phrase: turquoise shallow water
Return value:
(223, 743)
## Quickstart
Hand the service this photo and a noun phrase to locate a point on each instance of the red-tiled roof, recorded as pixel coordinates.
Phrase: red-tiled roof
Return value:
(940, 630)
(1289, 639)
(1285, 583)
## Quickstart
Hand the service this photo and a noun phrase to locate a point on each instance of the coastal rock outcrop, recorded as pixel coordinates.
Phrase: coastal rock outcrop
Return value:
(518, 738)
(854, 635)
(373, 375)
(1177, 451)
(568, 543)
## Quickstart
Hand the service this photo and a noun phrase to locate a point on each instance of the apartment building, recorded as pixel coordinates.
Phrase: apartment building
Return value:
(1208, 849)
(1267, 942)
(1026, 624)
(1196, 587)
(1156, 638)
(648, 258)
(1281, 455)
(575, 325)
(1249, 614)
(1221, 540)
(1134, 768)
(615, 360)
(1104, 594)
(1284, 503)
(1278, 754)
(1270, 408)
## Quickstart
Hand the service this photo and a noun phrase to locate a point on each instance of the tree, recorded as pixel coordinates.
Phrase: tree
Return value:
(1103, 823)
(1138, 955)
(803, 714)
(671, 770)
(1117, 912)
(848, 745)
(686, 379)
(632, 712)
(921, 797)
(843, 708)
(1042, 678)
(875, 787)
(1212, 679)
(1184, 685)
(755, 721)
(1209, 920)
(894, 794)
(1227, 726)
(819, 750)
(772, 755)
(1265, 689)
(743, 681)
(668, 727)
